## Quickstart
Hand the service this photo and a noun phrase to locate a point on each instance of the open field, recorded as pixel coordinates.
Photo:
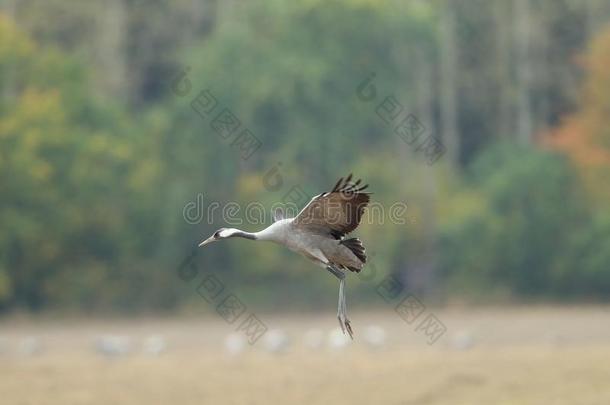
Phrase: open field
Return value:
(516, 356)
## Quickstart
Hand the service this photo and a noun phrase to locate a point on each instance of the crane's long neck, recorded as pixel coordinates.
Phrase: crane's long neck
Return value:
(245, 235)
(272, 233)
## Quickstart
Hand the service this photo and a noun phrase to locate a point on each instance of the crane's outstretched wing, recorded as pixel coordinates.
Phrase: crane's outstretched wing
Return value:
(337, 212)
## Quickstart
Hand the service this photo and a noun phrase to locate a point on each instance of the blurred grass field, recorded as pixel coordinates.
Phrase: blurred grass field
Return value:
(517, 356)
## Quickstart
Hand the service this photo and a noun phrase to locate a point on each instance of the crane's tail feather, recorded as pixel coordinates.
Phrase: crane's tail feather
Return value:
(355, 245)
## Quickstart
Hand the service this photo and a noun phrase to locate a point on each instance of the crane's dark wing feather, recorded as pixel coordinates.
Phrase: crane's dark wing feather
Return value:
(337, 212)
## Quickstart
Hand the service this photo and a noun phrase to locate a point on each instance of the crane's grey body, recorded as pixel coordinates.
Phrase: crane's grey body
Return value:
(321, 249)
(318, 233)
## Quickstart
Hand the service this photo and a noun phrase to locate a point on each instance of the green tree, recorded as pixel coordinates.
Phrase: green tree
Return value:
(77, 181)
(533, 203)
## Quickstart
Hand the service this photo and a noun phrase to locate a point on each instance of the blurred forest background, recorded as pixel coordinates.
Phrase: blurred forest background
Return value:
(99, 156)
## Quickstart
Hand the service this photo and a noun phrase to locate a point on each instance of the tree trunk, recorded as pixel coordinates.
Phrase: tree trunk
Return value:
(448, 90)
(422, 270)
(502, 74)
(111, 54)
(522, 50)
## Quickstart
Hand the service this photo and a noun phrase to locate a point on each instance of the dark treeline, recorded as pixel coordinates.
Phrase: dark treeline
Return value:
(107, 170)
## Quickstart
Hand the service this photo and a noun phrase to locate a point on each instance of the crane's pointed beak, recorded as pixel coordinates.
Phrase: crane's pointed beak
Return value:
(208, 240)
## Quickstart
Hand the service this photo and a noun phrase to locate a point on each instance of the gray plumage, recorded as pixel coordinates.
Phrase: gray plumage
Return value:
(319, 232)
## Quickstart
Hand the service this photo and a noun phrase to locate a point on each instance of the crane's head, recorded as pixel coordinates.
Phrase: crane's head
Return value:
(222, 233)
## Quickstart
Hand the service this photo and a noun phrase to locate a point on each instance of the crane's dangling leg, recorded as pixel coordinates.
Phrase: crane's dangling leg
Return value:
(342, 305)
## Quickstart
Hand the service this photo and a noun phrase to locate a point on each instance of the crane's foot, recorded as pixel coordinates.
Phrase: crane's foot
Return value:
(345, 324)
(348, 327)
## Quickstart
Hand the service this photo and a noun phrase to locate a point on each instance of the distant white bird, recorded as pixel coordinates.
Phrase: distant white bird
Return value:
(235, 343)
(30, 346)
(113, 345)
(462, 340)
(318, 233)
(276, 341)
(154, 344)
(375, 336)
(337, 340)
